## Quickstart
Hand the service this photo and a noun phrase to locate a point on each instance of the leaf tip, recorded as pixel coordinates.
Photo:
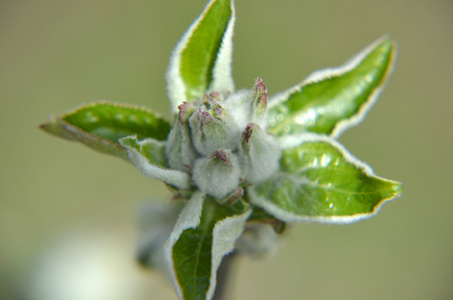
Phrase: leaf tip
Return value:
(388, 46)
(53, 125)
(47, 124)
(398, 188)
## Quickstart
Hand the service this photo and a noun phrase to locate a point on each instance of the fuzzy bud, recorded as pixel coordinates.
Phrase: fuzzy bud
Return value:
(179, 150)
(185, 111)
(213, 128)
(259, 154)
(259, 105)
(218, 174)
(216, 95)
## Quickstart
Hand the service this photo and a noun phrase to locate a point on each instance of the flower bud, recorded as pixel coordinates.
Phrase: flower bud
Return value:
(179, 150)
(239, 105)
(259, 105)
(259, 154)
(216, 95)
(218, 174)
(185, 111)
(213, 128)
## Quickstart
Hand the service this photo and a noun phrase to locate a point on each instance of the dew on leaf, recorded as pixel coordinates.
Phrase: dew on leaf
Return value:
(325, 160)
(133, 118)
(314, 163)
(93, 119)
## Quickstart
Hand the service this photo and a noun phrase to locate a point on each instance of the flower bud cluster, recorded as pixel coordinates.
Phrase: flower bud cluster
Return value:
(223, 142)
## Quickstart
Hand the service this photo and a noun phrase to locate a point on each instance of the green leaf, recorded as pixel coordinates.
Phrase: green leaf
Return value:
(321, 182)
(152, 150)
(58, 127)
(113, 121)
(205, 232)
(99, 125)
(202, 58)
(332, 100)
(149, 158)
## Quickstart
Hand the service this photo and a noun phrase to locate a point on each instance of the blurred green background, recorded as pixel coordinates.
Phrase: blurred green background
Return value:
(67, 214)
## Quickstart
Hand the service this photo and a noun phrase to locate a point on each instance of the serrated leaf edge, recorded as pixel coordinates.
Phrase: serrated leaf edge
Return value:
(72, 133)
(175, 85)
(190, 217)
(222, 72)
(291, 141)
(225, 234)
(356, 119)
(114, 104)
(145, 142)
(350, 65)
(176, 178)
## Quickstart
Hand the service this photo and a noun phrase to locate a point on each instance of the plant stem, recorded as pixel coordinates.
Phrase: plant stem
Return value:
(223, 278)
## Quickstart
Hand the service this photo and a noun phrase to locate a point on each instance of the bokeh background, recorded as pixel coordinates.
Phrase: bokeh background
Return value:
(67, 214)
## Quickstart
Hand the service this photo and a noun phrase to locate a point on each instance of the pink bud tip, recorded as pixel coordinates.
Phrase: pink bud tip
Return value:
(219, 154)
(205, 116)
(216, 95)
(247, 133)
(260, 93)
(183, 108)
(259, 84)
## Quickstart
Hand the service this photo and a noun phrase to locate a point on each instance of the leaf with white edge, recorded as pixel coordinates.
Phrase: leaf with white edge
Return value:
(330, 101)
(149, 158)
(196, 248)
(99, 125)
(153, 150)
(58, 127)
(202, 58)
(321, 182)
